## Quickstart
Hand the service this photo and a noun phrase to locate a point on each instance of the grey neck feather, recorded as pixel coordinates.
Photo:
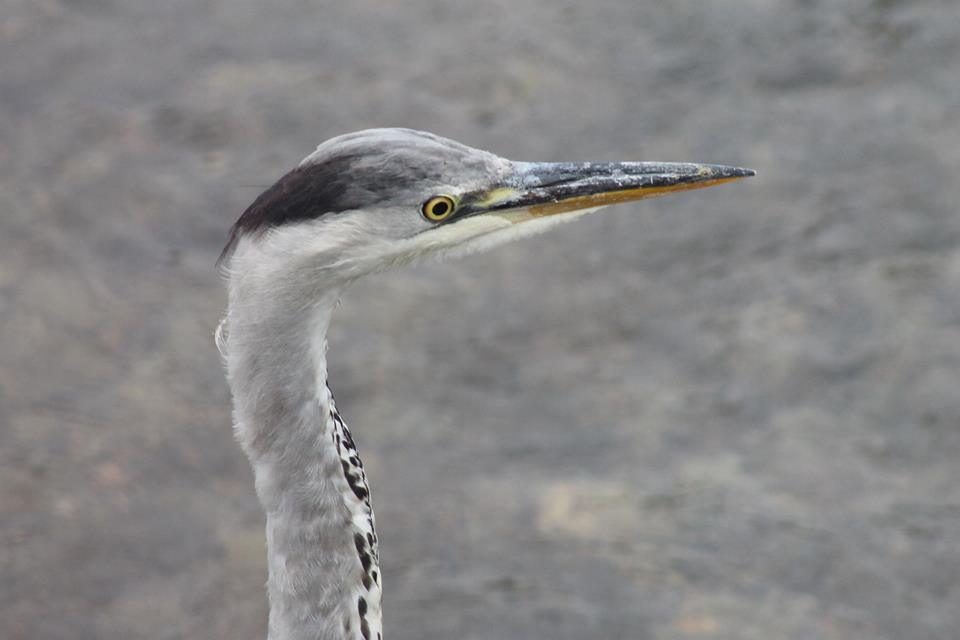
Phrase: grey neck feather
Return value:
(324, 579)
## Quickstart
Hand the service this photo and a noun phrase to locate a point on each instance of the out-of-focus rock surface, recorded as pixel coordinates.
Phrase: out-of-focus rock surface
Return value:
(728, 414)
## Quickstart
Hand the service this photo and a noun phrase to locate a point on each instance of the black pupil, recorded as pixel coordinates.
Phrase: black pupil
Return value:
(440, 208)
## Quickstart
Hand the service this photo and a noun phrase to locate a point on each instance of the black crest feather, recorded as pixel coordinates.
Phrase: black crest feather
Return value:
(305, 193)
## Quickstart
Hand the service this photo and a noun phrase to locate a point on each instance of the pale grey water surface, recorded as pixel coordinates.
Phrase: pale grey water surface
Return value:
(727, 414)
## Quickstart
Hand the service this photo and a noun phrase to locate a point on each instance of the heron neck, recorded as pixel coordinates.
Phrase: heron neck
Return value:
(324, 577)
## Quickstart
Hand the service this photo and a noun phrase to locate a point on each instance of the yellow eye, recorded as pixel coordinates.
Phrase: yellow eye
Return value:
(438, 208)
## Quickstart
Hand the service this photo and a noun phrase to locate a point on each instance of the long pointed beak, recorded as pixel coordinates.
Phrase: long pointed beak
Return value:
(539, 189)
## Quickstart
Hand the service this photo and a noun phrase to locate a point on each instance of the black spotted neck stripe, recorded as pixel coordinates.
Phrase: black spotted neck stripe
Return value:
(363, 620)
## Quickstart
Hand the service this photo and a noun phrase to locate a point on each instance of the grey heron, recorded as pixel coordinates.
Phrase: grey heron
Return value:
(362, 203)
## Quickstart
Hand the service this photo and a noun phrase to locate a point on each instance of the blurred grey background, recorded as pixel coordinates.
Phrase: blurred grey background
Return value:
(726, 414)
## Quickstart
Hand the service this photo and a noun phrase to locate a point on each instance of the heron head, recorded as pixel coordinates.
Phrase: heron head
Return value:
(374, 199)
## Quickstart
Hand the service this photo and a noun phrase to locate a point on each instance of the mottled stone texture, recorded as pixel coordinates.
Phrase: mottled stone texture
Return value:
(728, 414)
